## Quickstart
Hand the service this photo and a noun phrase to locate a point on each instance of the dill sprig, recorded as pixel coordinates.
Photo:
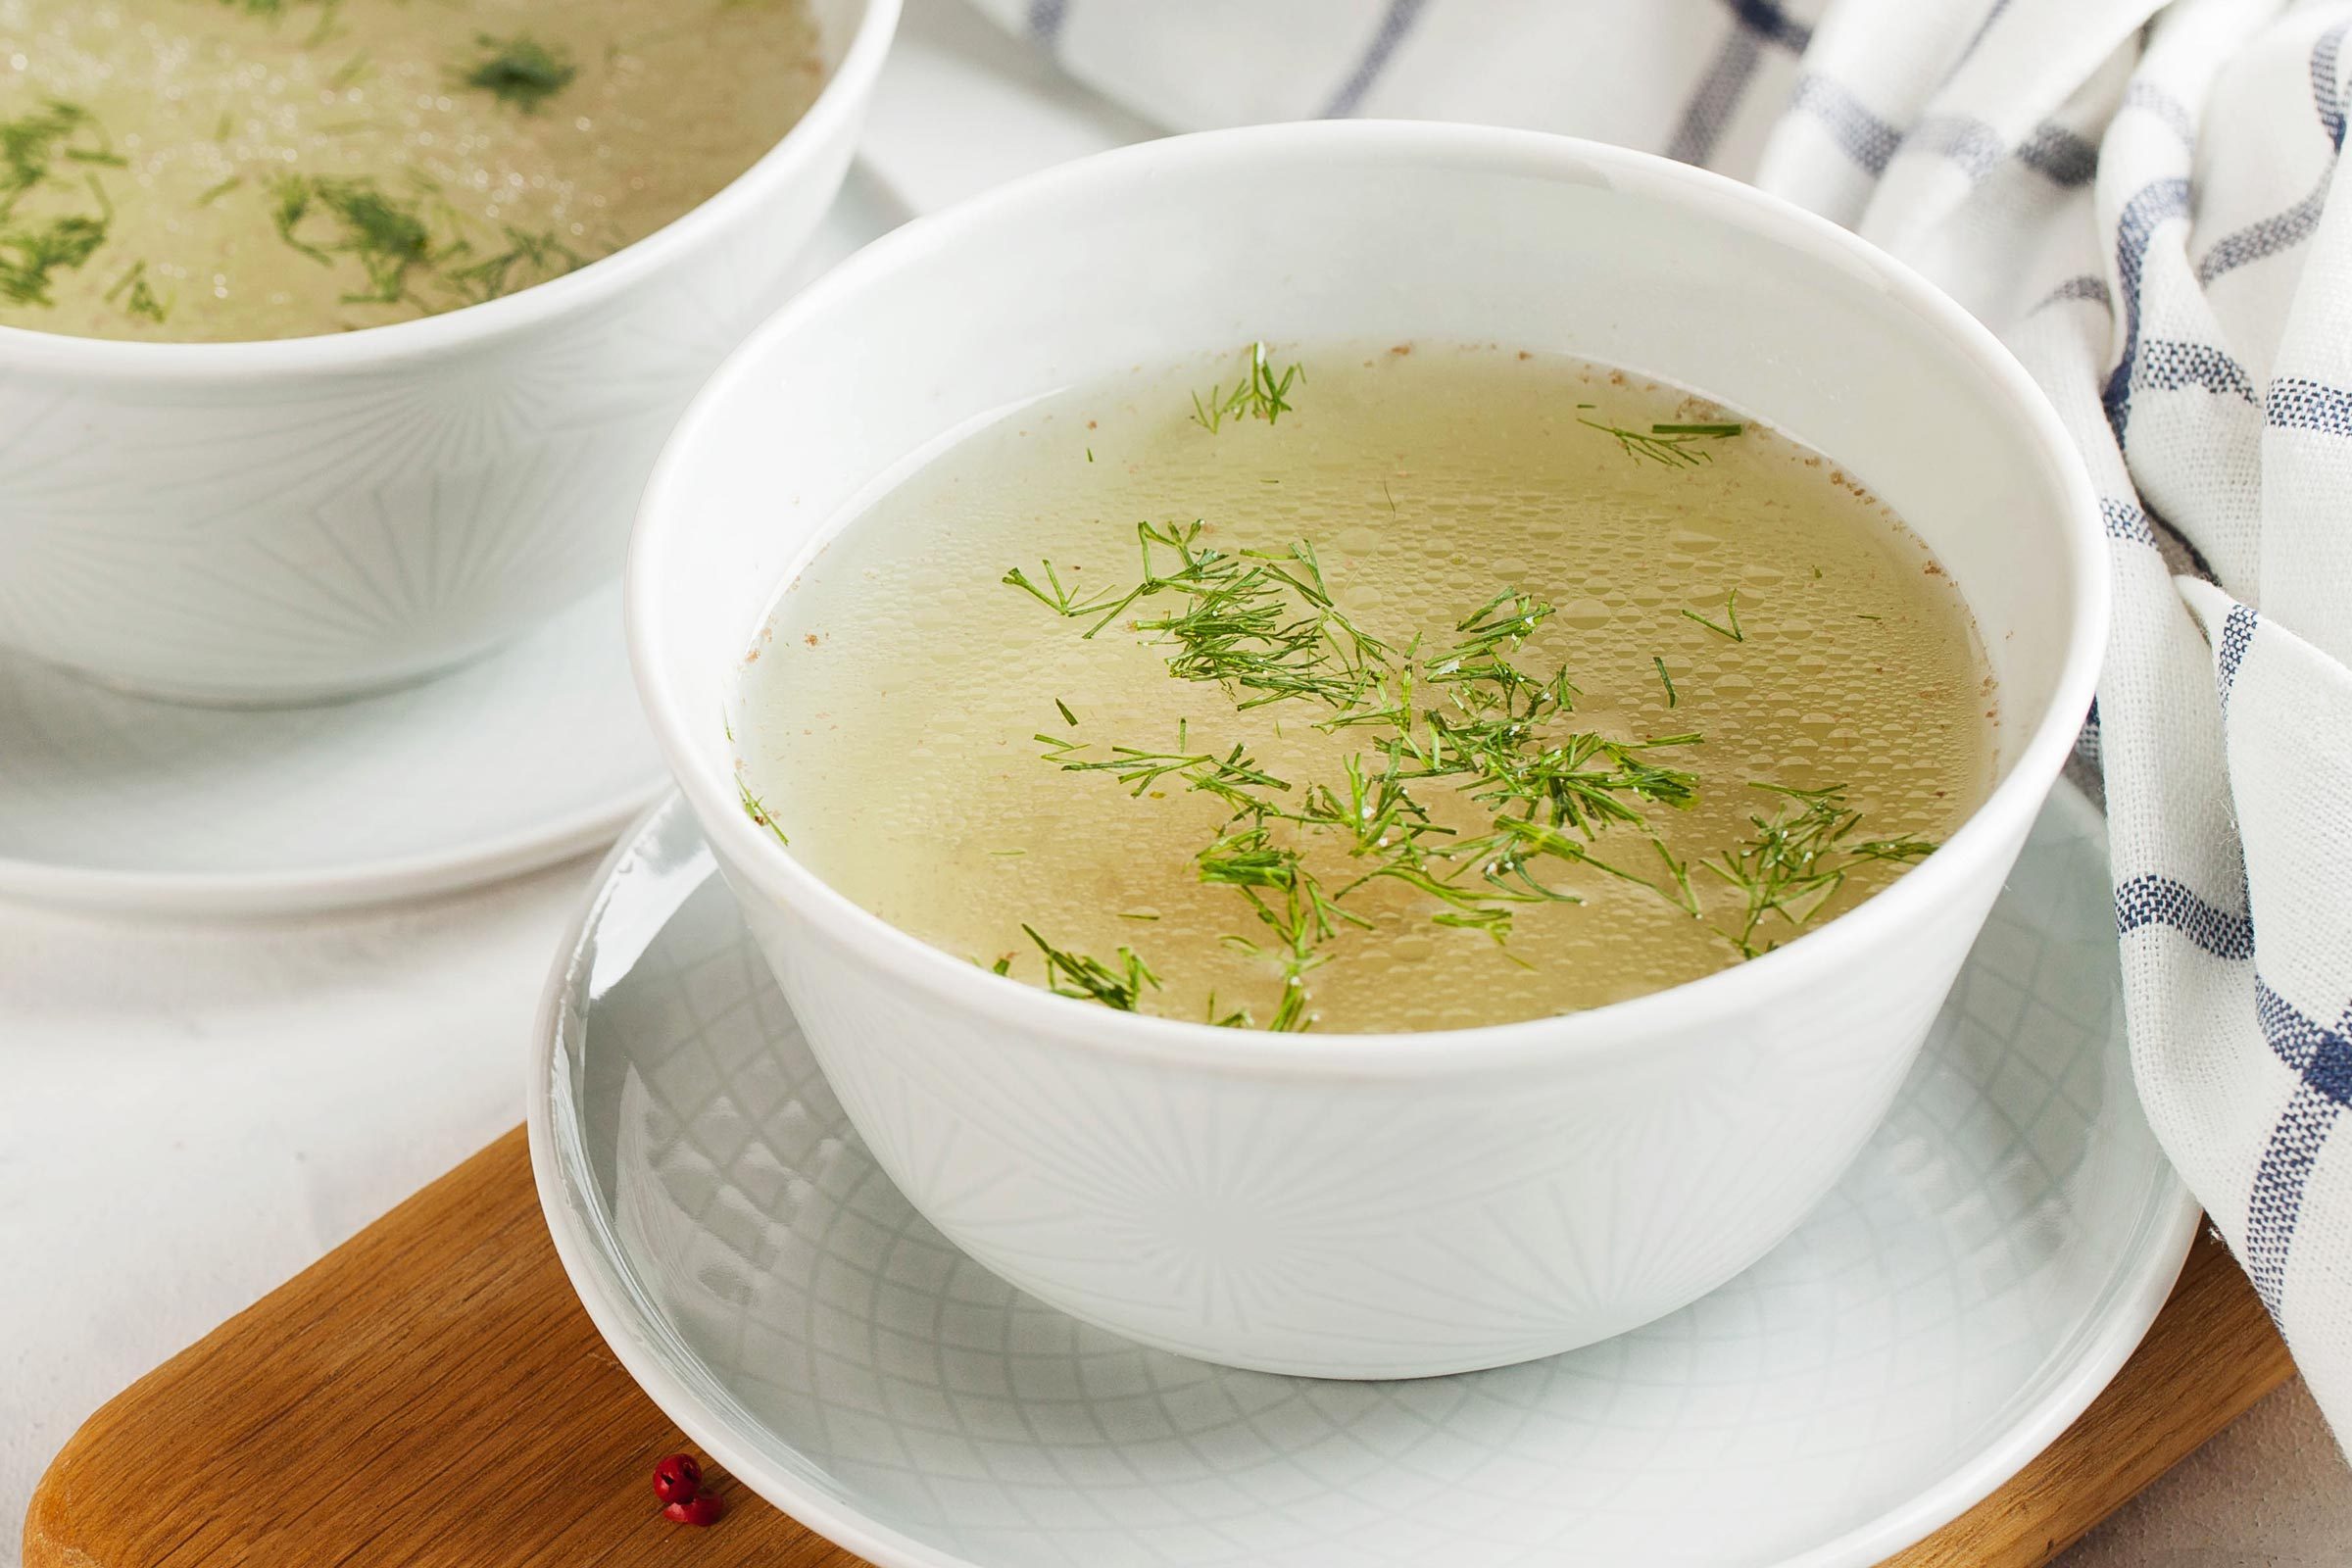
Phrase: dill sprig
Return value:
(528, 258)
(756, 810)
(1795, 861)
(140, 300)
(1290, 902)
(1090, 979)
(29, 145)
(1730, 626)
(1260, 394)
(34, 248)
(30, 253)
(324, 217)
(1672, 699)
(1260, 623)
(1672, 446)
(520, 70)
(1233, 778)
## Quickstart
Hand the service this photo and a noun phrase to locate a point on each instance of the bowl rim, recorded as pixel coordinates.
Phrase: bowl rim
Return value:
(836, 107)
(1816, 957)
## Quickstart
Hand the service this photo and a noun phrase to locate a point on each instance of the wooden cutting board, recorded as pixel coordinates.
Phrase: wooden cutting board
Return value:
(431, 1392)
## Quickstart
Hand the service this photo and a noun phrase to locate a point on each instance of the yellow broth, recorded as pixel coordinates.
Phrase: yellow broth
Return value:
(900, 720)
(210, 170)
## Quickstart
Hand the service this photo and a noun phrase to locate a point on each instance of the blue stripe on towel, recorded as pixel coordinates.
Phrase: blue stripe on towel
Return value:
(2064, 157)
(2326, 90)
(2237, 635)
(1046, 17)
(1711, 106)
(2298, 404)
(2276, 1203)
(2126, 520)
(2151, 99)
(2267, 236)
(2169, 363)
(2082, 286)
(1399, 19)
(1865, 138)
(1715, 99)
(2151, 900)
(2322, 1060)
(2135, 227)
(1768, 22)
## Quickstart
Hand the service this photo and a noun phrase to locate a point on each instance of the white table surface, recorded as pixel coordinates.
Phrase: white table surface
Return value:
(191, 1112)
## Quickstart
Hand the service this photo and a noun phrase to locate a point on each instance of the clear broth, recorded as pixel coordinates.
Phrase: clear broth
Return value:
(892, 716)
(156, 207)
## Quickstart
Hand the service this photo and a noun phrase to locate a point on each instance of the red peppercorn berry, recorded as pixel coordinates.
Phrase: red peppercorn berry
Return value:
(701, 1510)
(677, 1479)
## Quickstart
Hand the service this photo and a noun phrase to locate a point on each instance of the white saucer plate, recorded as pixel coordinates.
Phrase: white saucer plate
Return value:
(537, 753)
(1981, 1273)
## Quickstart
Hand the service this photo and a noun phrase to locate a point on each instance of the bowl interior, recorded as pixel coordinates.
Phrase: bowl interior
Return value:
(1354, 231)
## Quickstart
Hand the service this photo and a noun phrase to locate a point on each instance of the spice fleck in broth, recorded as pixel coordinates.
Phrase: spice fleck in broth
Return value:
(1406, 688)
(224, 170)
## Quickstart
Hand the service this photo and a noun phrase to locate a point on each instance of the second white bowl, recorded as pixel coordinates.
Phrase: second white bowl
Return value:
(286, 521)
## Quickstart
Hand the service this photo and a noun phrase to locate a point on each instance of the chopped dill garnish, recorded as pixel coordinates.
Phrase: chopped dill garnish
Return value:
(30, 253)
(30, 142)
(1090, 979)
(1469, 715)
(1730, 612)
(350, 72)
(33, 249)
(385, 235)
(212, 193)
(1061, 601)
(1260, 394)
(756, 810)
(1794, 862)
(142, 301)
(1090, 454)
(1672, 446)
(520, 70)
(539, 257)
(1238, 1018)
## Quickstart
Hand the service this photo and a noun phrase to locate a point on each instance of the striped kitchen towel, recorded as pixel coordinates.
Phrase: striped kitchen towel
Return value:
(2136, 196)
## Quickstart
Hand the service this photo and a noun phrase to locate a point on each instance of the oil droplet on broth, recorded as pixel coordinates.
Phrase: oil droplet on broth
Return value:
(1428, 483)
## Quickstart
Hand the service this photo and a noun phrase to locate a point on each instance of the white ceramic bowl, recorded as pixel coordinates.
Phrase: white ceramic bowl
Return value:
(290, 520)
(1384, 1205)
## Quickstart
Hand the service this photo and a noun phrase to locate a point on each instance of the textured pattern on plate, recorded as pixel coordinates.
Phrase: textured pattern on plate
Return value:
(1948, 1292)
(540, 746)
